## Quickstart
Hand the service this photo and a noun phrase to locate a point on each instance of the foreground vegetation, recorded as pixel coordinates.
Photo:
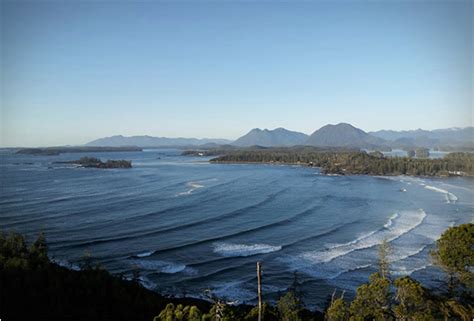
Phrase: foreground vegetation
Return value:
(356, 162)
(33, 287)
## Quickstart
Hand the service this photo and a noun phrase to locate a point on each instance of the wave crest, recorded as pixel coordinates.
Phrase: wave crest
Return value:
(396, 226)
(450, 197)
(230, 249)
(160, 266)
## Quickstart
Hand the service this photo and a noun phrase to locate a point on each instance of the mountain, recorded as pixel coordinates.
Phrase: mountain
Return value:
(150, 141)
(268, 138)
(426, 138)
(344, 135)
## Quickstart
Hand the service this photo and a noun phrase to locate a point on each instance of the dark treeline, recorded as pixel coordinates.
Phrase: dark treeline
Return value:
(352, 162)
(33, 287)
(92, 162)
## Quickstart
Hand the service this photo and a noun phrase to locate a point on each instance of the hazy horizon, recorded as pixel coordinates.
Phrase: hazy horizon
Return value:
(73, 72)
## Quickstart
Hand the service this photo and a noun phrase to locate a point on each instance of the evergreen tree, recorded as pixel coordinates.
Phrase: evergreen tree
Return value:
(411, 301)
(338, 310)
(454, 253)
(384, 265)
(289, 307)
(372, 300)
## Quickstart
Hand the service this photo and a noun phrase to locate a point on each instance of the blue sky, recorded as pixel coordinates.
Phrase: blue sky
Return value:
(73, 71)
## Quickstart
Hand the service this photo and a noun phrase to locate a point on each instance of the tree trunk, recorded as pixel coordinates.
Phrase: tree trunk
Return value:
(259, 279)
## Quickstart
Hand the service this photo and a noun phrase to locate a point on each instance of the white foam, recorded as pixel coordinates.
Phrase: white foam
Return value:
(66, 264)
(404, 271)
(395, 227)
(360, 267)
(144, 254)
(234, 291)
(192, 187)
(402, 253)
(450, 197)
(230, 249)
(160, 266)
(146, 283)
(390, 220)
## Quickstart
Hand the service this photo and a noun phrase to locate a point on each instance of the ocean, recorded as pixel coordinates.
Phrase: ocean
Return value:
(186, 225)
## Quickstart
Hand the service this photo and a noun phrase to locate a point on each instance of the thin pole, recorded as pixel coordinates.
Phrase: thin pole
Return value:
(259, 279)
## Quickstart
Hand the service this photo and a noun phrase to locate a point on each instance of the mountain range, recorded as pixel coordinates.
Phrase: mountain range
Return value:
(428, 138)
(339, 135)
(150, 141)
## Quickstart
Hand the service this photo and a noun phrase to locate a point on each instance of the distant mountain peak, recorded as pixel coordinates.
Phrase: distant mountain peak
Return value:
(343, 135)
(268, 138)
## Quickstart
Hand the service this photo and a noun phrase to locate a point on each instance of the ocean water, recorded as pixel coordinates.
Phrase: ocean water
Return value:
(187, 225)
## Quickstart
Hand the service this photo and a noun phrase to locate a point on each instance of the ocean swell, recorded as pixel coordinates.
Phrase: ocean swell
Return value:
(396, 226)
(230, 249)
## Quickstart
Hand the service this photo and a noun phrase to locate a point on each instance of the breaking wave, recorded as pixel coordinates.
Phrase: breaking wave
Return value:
(450, 197)
(230, 249)
(144, 254)
(159, 266)
(396, 226)
(192, 187)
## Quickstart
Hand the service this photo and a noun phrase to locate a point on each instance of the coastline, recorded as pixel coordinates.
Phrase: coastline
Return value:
(335, 173)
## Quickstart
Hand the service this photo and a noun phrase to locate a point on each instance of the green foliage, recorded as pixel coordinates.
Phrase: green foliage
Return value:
(454, 253)
(372, 300)
(355, 162)
(268, 313)
(422, 152)
(338, 310)
(289, 307)
(411, 301)
(384, 252)
(179, 313)
(219, 312)
(194, 314)
(51, 292)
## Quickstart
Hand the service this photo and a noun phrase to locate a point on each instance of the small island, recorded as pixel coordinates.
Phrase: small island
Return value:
(92, 162)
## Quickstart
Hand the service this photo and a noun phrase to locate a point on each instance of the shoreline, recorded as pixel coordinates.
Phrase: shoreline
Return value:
(333, 174)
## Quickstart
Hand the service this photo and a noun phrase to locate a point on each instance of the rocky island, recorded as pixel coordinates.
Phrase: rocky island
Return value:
(92, 162)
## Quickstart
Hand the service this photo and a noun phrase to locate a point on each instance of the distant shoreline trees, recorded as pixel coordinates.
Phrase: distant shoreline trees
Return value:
(357, 163)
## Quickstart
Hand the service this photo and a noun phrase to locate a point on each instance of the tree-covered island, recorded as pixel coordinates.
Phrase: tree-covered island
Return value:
(352, 162)
(92, 162)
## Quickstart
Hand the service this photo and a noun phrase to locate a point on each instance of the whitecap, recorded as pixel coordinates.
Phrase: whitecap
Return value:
(390, 220)
(146, 283)
(403, 270)
(66, 264)
(234, 291)
(393, 229)
(192, 187)
(230, 249)
(159, 266)
(144, 254)
(450, 197)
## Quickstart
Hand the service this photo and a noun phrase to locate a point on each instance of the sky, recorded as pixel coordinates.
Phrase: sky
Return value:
(74, 71)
